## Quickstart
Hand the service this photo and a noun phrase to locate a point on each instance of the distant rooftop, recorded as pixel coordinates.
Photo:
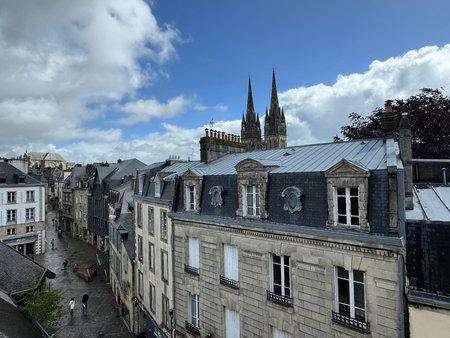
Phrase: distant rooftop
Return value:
(431, 203)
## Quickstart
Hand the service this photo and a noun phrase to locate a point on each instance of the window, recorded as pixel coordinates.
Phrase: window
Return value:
(347, 201)
(29, 214)
(10, 231)
(194, 260)
(151, 221)
(190, 198)
(280, 279)
(140, 249)
(152, 298)
(139, 215)
(11, 216)
(164, 266)
(230, 266)
(30, 196)
(157, 187)
(165, 311)
(250, 195)
(163, 225)
(232, 324)
(151, 256)
(141, 285)
(280, 334)
(11, 197)
(193, 310)
(125, 263)
(350, 298)
(30, 228)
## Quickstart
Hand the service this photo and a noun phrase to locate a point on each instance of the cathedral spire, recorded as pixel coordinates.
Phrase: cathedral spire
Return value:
(250, 107)
(274, 98)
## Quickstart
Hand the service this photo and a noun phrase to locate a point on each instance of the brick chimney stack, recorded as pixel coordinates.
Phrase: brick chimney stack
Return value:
(389, 122)
(215, 144)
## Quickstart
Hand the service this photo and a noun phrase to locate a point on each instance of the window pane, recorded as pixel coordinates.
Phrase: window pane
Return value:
(341, 191)
(358, 276)
(277, 289)
(342, 207)
(354, 206)
(276, 259)
(277, 274)
(360, 315)
(353, 191)
(359, 295)
(343, 289)
(342, 272)
(355, 220)
(287, 281)
(344, 310)
(342, 219)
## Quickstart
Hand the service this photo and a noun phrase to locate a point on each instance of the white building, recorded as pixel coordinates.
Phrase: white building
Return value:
(22, 210)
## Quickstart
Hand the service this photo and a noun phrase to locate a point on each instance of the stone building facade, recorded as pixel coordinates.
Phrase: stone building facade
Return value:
(292, 242)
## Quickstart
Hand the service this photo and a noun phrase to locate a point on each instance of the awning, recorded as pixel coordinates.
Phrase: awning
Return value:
(20, 240)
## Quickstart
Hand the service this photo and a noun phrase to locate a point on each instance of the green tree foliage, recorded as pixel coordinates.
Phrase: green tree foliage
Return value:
(429, 115)
(45, 306)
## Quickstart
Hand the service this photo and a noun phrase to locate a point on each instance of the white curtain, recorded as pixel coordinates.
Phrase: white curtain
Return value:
(231, 262)
(232, 324)
(194, 259)
(280, 334)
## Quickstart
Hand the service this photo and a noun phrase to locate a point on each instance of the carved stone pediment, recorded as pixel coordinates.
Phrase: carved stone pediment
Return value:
(190, 175)
(345, 168)
(249, 165)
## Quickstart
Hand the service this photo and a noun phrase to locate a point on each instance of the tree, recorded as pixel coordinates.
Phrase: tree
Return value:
(429, 115)
(45, 306)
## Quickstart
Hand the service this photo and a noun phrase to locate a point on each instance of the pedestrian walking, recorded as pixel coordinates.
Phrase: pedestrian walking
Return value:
(71, 306)
(53, 244)
(84, 302)
(65, 264)
(75, 267)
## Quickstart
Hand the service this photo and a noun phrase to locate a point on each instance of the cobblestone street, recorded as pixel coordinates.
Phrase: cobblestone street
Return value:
(102, 318)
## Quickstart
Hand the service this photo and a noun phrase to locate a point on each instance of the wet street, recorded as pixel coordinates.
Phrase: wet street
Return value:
(102, 318)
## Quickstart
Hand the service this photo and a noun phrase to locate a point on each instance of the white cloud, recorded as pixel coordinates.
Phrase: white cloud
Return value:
(217, 107)
(143, 110)
(316, 113)
(57, 57)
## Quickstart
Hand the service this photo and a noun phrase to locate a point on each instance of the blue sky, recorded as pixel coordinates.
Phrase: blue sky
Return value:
(99, 81)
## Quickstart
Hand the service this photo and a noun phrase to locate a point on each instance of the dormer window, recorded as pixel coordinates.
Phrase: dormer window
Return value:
(141, 183)
(157, 187)
(347, 191)
(190, 198)
(250, 200)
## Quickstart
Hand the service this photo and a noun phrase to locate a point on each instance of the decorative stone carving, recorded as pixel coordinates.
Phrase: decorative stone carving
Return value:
(216, 195)
(292, 201)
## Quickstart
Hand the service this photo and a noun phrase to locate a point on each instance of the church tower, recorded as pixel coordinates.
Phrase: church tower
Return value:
(275, 122)
(251, 127)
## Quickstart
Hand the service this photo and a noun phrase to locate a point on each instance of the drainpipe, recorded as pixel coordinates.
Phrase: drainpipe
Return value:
(444, 175)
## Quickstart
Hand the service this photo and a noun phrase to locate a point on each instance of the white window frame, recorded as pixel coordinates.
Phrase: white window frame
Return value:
(163, 222)
(151, 258)
(29, 214)
(157, 187)
(194, 255)
(251, 193)
(11, 216)
(165, 310)
(30, 228)
(152, 295)
(164, 266)
(351, 282)
(232, 324)
(141, 284)
(139, 215)
(283, 285)
(30, 196)
(151, 220)
(194, 309)
(231, 262)
(140, 249)
(190, 198)
(348, 215)
(10, 231)
(11, 197)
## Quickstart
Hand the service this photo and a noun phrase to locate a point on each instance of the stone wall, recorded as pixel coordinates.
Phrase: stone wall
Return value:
(312, 273)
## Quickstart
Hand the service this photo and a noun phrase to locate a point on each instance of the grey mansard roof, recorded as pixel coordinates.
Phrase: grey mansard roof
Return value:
(368, 154)
(11, 174)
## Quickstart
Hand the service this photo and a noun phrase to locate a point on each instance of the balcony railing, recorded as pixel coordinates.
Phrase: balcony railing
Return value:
(283, 300)
(351, 322)
(192, 329)
(191, 270)
(229, 282)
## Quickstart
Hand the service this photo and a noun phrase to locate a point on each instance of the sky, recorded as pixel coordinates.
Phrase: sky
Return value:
(108, 79)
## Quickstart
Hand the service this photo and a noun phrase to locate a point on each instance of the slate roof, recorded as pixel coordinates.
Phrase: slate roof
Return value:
(431, 203)
(39, 156)
(17, 325)
(179, 168)
(125, 168)
(370, 154)
(125, 222)
(72, 180)
(12, 174)
(19, 273)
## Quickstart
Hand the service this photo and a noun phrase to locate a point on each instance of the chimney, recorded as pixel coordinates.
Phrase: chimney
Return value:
(217, 145)
(388, 121)
(404, 144)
